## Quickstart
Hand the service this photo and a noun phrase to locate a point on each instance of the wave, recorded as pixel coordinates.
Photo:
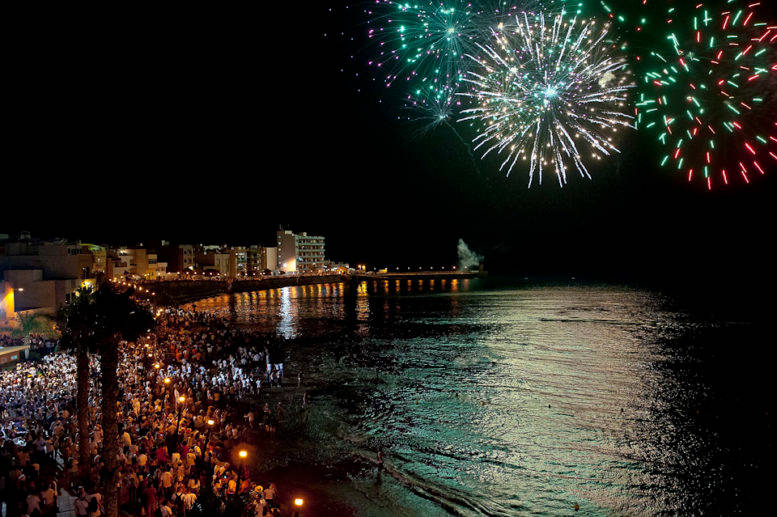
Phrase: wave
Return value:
(450, 499)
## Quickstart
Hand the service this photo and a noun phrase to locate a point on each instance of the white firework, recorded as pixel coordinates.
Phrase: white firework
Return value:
(540, 92)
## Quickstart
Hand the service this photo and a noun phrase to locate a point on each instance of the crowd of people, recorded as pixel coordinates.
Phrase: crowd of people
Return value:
(36, 342)
(190, 417)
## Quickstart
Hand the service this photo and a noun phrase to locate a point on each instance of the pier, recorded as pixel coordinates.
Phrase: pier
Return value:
(186, 290)
(419, 275)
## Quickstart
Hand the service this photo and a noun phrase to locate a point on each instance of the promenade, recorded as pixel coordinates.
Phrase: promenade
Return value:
(185, 290)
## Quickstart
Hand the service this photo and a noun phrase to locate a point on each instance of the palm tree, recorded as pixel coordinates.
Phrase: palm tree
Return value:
(98, 321)
(34, 324)
(77, 322)
(119, 318)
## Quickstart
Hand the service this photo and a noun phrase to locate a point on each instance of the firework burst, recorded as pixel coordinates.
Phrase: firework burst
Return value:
(551, 94)
(433, 106)
(710, 95)
(422, 44)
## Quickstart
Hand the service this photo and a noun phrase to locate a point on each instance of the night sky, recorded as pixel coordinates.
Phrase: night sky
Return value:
(216, 127)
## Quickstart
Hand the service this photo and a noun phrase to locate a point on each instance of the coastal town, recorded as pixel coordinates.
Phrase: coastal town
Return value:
(201, 399)
(189, 416)
(41, 274)
(38, 276)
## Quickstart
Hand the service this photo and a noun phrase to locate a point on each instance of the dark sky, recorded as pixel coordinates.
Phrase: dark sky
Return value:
(218, 126)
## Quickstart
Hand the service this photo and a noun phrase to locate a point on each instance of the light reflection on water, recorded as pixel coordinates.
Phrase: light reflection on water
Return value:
(508, 401)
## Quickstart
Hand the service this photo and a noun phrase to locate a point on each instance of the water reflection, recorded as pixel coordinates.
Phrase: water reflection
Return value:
(289, 309)
(516, 401)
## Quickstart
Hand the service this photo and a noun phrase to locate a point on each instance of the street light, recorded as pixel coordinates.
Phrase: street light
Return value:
(210, 423)
(181, 400)
(242, 454)
(298, 504)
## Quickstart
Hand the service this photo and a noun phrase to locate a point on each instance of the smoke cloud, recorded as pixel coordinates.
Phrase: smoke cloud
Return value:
(467, 257)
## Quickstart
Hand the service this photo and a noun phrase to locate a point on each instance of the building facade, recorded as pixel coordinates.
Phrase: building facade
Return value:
(179, 257)
(99, 256)
(212, 262)
(269, 258)
(261, 259)
(156, 269)
(241, 260)
(7, 307)
(43, 275)
(117, 268)
(301, 252)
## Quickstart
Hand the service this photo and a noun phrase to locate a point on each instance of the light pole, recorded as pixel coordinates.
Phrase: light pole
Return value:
(181, 401)
(210, 423)
(167, 382)
(157, 366)
(242, 455)
(298, 504)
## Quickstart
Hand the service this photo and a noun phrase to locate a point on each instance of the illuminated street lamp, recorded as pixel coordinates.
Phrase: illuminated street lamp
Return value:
(298, 504)
(242, 455)
(181, 401)
(210, 423)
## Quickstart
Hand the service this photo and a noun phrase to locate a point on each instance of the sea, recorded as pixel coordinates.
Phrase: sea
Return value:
(507, 396)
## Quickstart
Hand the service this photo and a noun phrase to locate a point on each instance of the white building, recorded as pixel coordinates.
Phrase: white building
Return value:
(269, 258)
(44, 274)
(301, 252)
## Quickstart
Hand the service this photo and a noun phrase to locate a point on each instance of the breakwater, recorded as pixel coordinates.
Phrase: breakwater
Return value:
(179, 291)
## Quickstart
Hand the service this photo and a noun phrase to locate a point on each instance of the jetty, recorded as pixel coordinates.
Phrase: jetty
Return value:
(185, 290)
